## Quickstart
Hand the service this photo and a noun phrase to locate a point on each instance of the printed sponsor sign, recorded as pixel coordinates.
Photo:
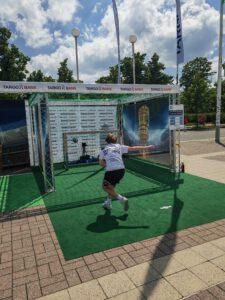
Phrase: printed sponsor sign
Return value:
(71, 88)
(176, 116)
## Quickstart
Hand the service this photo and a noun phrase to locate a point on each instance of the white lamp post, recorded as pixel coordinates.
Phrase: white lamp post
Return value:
(219, 80)
(76, 34)
(133, 40)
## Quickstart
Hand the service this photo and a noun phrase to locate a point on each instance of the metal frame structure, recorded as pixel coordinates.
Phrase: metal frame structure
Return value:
(39, 110)
(174, 159)
(41, 139)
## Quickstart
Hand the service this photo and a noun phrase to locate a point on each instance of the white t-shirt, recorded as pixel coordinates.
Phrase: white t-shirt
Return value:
(112, 154)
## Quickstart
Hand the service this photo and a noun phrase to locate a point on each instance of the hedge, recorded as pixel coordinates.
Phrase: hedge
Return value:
(208, 117)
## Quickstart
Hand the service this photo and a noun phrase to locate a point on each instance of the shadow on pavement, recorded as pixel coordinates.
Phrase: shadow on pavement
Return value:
(176, 211)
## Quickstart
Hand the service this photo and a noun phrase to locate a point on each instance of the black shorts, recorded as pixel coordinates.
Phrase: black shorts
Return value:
(113, 177)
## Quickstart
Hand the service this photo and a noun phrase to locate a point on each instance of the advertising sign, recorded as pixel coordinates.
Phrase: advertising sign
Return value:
(176, 115)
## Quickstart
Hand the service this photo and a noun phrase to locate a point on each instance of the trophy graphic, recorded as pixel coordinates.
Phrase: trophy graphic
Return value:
(143, 128)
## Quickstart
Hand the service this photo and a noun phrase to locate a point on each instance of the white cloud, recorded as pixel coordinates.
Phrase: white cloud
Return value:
(89, 33)
(31, 18)
(65, 40)
(96, 8)
(62, 10)
(77, 20)
(154, 23)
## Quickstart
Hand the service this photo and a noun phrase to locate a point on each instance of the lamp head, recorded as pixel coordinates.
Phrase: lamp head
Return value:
(75, 32)
(133, 39)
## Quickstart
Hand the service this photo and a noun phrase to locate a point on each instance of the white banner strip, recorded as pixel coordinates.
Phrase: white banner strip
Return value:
(74, 88)
(117, 25)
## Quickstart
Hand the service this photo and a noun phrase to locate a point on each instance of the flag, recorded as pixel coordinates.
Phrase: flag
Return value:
(180, 45)
(116, 18)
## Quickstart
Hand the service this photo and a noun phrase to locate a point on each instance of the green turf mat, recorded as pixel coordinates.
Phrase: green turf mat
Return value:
(88, 229)
(19, 191)
(82, 186)
(157, 205)
(149, 169)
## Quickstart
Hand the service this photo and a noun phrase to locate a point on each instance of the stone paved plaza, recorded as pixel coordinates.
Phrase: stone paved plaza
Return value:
(186, 264)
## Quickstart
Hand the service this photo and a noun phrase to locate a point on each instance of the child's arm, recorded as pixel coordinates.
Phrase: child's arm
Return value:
(102, 163)
(140, 148)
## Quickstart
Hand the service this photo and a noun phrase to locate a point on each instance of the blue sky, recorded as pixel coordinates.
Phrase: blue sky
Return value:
(42, 30)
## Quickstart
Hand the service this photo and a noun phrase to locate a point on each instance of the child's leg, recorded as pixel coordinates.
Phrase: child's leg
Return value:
(108, 202)
(110, 189)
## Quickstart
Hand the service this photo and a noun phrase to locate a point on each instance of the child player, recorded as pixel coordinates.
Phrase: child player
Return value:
(111, 159)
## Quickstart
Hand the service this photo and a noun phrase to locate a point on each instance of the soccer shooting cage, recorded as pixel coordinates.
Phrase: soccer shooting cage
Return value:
(67, 126)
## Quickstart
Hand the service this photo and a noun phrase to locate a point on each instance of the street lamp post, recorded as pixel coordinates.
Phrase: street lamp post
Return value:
(219, 80)
(133, 40)
(76, 34)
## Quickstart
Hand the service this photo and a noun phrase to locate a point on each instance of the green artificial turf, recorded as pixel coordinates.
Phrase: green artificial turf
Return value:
(158, 204)
(88, 229)
(19, 191)
(81, 186)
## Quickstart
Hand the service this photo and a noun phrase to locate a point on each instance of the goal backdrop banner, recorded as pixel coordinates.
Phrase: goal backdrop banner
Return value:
(147, 123)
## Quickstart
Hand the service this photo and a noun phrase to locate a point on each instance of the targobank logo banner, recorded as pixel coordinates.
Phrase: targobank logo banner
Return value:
(180, 45)
(22, 87)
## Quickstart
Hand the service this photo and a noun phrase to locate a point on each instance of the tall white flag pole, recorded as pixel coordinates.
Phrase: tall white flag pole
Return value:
(219, 80)
(116, 18)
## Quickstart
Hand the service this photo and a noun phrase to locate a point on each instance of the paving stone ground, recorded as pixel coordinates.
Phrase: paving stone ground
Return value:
(189, 263)
(203, 147)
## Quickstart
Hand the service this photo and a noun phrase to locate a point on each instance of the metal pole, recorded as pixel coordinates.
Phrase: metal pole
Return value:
(219, 81)
(119, 66)
(177, 82)
(134, 77)
(77, 64)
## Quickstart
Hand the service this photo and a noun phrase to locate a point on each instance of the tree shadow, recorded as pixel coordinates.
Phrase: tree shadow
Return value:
(109, 222)
(162, 247)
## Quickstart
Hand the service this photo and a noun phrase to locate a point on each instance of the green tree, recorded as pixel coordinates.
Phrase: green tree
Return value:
(49, 79)
(150, 73)
(212, 97)
(223, 97)
(127, 68)
(210, 105)
(64, 73)
(196, 97)
(111, 78)
(12, 62)
(199, 67)
(195, 79)
(154, 73)
(38, 76)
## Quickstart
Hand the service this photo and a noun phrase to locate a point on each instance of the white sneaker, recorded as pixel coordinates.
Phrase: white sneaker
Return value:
(124, 203)
(107, 205)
